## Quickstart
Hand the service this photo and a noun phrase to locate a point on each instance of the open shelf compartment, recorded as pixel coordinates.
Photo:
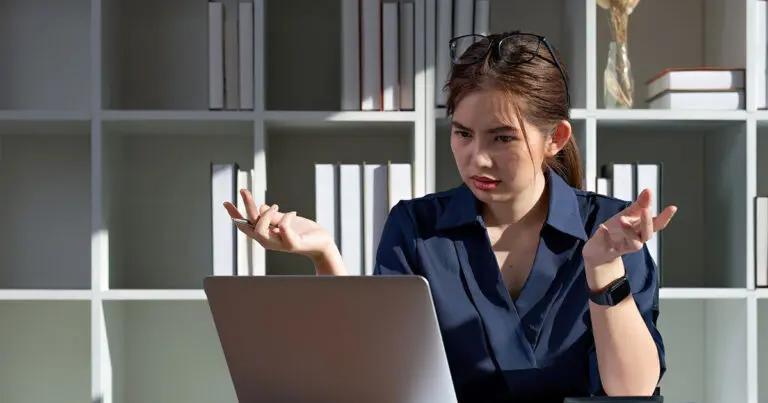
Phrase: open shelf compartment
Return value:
(160, 63)
(677, 34)
(46, 351)
(157, 198)
(46, 55)
(762, 350)
(45, 194)
(705, 350)
(165, 351)
(703, 166)
(292, 153)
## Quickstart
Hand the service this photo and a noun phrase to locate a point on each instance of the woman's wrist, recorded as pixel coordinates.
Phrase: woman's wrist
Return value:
(602, 273)
(329, 262)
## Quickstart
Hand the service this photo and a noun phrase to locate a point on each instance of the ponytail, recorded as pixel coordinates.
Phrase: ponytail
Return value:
(567, 164)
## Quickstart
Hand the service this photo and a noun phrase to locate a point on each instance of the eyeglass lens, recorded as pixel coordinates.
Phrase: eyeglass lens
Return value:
(460, 45)
(513, 49)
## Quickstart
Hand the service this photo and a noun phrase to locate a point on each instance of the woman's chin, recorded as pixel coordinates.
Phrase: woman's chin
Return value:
(496, 195)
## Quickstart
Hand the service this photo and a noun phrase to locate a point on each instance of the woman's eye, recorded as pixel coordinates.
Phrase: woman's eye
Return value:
(462, 134)
(505, 139)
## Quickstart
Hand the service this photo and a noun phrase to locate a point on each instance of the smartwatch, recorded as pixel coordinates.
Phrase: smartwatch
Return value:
(613, 293)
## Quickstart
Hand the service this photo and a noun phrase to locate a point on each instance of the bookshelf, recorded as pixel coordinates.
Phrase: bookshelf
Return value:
(106, 137)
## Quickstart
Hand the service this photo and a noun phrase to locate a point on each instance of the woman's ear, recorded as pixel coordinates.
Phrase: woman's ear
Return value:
(559, 138)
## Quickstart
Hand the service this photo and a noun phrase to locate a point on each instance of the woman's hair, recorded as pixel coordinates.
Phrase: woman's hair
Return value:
(537, 88)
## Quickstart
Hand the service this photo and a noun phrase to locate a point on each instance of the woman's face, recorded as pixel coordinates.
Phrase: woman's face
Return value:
(491, 154)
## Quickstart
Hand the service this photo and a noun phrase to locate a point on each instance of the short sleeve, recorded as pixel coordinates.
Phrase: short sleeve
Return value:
(396, 244)
(643, 277)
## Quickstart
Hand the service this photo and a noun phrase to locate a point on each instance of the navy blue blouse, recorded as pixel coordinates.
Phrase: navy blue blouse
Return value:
(539, 348)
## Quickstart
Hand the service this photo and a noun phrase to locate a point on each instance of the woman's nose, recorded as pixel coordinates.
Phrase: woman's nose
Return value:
(482, 159)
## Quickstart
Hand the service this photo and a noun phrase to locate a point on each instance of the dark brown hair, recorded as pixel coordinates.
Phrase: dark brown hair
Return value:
(537, 85)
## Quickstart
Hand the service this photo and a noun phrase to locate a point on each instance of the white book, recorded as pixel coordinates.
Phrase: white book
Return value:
(649, 176)
(761, 241)
(244, 245)
(231, 57)
(443, 35)
(375, 210)
(482, 17)
(390, 50)
(761, 55)
(258, 54)
(603, 186)
(245, 42)
(463, 21)
(695, 79)
(350, 55)
(698, 100)
(224, 232)
(622, 177)
(399, 183)
(215, 55)
(371, 57)
(327, 199)
(351, 228)
(407, 77)
(463, 17)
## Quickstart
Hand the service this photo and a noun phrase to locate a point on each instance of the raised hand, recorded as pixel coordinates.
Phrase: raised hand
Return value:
(278, 231)
(627, 231)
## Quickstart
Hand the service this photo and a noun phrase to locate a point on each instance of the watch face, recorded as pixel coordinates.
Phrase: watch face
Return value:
(619, 290)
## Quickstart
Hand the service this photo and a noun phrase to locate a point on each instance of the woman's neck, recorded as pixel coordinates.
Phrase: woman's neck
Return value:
(528, 207)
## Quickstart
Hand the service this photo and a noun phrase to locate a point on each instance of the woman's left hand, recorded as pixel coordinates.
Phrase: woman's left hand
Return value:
(627, 231)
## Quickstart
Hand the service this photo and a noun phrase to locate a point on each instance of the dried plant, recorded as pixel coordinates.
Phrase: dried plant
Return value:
(618, 77)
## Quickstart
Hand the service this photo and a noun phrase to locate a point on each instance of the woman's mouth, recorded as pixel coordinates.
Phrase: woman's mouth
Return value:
(484, 183)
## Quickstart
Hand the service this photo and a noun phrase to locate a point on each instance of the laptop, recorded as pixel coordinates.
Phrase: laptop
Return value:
(615, 399)
(330, 339)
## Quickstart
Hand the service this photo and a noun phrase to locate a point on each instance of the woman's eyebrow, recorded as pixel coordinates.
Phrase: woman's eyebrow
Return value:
(498, 129)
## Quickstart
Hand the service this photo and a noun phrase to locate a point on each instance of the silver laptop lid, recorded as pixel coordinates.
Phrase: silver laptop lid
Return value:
(330, 339)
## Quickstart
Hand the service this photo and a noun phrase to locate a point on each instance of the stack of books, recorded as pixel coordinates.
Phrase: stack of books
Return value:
(378, 55)
(232, 38)
(697, 89)
(352, 202)
(232, 250)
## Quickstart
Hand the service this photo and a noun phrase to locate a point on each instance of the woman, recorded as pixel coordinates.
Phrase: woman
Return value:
(542, 290)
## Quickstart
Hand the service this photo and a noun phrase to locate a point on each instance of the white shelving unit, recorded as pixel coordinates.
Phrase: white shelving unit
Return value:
(105, 141)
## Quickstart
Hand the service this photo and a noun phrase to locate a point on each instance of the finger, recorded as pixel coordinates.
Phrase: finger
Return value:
(250, 208)
(276, 215)
(286, 232)
(646, 225)
(232, 210)
(660, 222)
(262, 225)
(643, 201)
(235, 214)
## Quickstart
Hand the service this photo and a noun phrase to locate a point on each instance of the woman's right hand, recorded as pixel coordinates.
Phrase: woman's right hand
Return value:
(284, 232)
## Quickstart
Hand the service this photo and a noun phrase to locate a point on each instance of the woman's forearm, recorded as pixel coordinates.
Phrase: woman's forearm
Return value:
(330, 263)
(627, 355)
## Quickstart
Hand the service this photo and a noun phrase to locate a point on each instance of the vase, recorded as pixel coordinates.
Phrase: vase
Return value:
(618, 83)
